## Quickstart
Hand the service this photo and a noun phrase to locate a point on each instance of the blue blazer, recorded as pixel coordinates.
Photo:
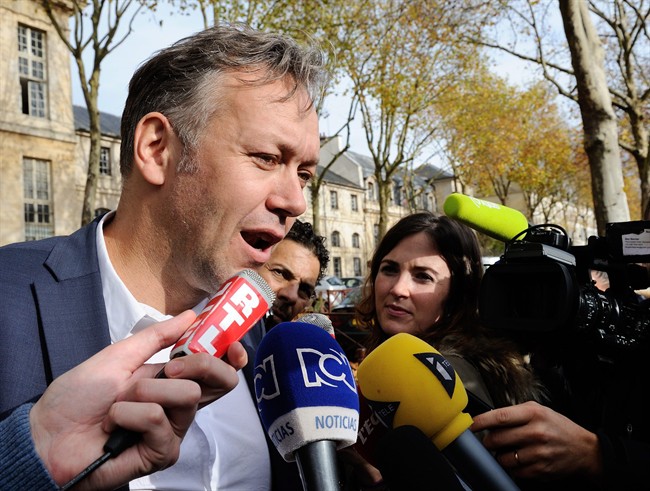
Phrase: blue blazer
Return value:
(52, 313)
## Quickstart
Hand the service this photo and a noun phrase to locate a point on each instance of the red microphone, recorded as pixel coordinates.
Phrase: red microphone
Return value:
(228, 316)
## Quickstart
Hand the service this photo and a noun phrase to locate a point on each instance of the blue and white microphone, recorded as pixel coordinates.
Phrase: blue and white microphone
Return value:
(307, 398)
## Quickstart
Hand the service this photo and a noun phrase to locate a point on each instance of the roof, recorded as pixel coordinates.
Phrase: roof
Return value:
(366, 163)
(110, 124)
(334, 178)
(428, 171)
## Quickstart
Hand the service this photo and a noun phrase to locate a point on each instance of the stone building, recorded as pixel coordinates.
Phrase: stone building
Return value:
(44, 140)
(349, 205)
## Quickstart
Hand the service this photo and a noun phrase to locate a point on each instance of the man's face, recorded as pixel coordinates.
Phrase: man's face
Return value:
(254, 159)
(291, 273)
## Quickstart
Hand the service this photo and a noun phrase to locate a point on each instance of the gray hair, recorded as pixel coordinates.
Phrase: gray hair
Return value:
(179, 81)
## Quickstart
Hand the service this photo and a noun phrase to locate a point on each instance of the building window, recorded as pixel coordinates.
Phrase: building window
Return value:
(334, 200)
(426, 201)
(337, 266)
(354, 204)
(32, 71)
(397, 194)
(39, 219)
(375, 232)
(355, 241)
(105, 161)
(372, 191)
(357, 266)
(336, 239)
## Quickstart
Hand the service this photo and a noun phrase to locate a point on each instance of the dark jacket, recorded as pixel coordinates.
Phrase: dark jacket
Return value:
(52, 314)
(606, 394)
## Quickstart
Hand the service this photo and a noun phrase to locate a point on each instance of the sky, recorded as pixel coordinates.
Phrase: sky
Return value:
(149, 36)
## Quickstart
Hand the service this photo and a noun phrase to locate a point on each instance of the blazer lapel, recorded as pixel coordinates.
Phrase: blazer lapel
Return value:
(71, 303)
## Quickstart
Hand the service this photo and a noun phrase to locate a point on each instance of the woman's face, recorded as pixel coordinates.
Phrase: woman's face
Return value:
(411, 286)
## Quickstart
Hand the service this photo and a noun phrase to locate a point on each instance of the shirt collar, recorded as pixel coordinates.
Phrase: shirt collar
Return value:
(125, 314)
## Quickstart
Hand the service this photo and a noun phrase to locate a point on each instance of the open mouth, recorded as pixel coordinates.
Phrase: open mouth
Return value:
(260, 241)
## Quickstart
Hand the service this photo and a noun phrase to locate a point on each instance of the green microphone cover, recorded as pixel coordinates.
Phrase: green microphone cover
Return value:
(497, 221)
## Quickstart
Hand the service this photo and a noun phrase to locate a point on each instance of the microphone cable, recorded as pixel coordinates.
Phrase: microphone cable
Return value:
(119, 441)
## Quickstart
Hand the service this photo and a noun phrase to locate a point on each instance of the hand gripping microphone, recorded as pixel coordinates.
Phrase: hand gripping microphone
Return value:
(410, 383)
(307, 399)
(228, 316)
(497, 221)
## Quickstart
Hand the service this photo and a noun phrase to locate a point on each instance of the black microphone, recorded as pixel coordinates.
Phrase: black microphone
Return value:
(409, 461)
(307, 399)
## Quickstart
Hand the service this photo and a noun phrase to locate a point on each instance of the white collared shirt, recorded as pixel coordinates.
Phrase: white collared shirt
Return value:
(225, 447)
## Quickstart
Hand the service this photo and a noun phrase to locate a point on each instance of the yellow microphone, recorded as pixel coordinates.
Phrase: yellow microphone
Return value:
(431, 395)
(408, 382)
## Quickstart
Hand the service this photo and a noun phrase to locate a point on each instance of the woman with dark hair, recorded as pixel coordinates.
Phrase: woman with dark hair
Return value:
(424, 280)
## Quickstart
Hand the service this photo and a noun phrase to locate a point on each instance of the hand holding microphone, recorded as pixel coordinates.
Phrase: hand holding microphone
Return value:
(307, 399)
(407, 382)
(231, 312)
(71, 420)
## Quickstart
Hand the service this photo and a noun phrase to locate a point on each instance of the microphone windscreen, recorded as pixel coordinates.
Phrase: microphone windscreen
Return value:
(305, 388)
(408, 460)
(408, 382)
(498, 221)
(320, 320)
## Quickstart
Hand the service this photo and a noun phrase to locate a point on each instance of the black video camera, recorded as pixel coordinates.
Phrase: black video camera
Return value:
(542, 287)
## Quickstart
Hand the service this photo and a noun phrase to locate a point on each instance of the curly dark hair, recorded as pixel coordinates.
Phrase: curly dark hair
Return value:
(303, 233)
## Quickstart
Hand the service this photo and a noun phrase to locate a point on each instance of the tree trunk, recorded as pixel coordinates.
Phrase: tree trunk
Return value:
(384, 203)
(598, 118)
(90, 191)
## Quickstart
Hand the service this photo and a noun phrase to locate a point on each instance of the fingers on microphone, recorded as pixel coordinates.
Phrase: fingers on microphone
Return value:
(215, 377)
(236, 356)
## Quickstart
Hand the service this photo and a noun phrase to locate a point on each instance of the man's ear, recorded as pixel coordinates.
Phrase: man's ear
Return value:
(155, 147)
